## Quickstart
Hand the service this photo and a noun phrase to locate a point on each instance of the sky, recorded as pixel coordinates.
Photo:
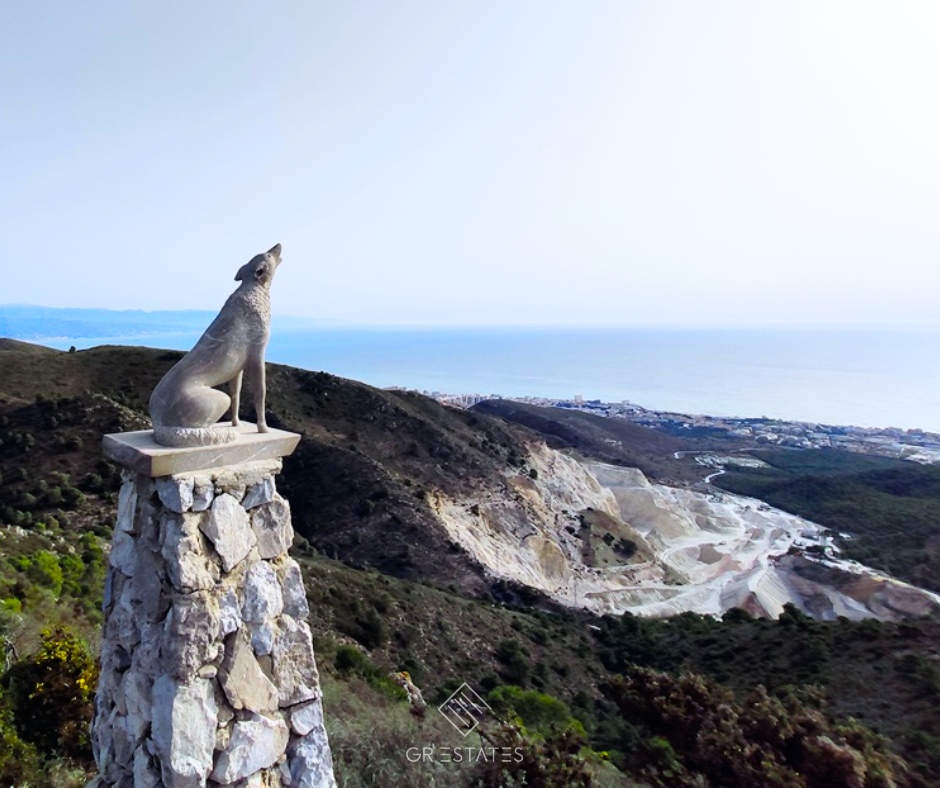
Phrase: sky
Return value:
(476, 162)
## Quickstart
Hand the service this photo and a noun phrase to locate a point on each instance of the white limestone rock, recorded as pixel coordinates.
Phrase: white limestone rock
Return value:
(112, 579)
(243, 681)
(146, 657)
(229, 529)
(272, 526)
(123, 743)
(183, 731)
(262, 597)
(311, 763)
(295, 670)
(122, 626)
(292, 588)
(122, 558)
(188, 566)
(255, 744)
(146, 773)
(143, 595)
(190, 635)
(176, 493)
(203, 494)
(259, 493)
(262, 638)
(127, 507)
(230, 610)
(307, 717)
(137, 695)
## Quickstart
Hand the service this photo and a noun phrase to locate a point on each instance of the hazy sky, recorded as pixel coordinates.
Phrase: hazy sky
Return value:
(479, 161)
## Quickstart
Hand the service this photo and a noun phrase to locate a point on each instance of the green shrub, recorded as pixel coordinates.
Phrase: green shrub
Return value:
(52, 695)
(538, 712)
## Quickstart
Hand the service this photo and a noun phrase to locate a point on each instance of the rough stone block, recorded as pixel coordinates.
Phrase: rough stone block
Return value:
(259, 493)
(230, 610)
(272, 527)
(203, 493)
(143, 593)
(190, 635)
(295, 670)
(256, 744)
(187, 565)
(262, 600)
(127, 505)
(184, 720)
(229, 529)
(243, 681)
(311, 763)
(146, 773)
(307, 717)
(292, 587)
(176, 493)
(123, 546)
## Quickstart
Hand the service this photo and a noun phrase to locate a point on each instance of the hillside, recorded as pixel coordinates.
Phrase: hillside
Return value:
(389, 589)
(613, 441)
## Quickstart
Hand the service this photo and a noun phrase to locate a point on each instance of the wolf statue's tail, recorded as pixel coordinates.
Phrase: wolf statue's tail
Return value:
(185, 437)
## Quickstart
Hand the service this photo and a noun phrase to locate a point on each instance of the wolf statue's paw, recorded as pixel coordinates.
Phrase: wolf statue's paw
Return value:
(186, 437)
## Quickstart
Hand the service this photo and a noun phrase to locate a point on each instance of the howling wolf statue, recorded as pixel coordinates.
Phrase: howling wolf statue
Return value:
(184, 405)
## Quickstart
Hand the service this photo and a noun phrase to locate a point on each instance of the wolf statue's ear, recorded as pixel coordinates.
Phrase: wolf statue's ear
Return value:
(242, 273)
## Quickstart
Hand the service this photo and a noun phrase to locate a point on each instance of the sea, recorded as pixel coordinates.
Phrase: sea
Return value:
(864, 377)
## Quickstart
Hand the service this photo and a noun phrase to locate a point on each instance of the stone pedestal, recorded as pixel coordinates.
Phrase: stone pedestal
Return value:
(207, 667)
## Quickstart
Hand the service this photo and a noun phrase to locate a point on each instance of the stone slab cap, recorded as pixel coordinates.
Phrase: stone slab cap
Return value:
(139, 452)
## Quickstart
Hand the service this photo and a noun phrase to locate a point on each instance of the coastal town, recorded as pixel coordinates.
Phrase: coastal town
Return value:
(915, 445)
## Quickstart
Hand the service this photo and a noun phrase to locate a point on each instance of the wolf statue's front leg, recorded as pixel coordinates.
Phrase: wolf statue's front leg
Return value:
(236, 394)
(256, 375)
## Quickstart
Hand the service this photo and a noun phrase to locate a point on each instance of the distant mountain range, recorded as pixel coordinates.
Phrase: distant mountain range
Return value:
(25, 321)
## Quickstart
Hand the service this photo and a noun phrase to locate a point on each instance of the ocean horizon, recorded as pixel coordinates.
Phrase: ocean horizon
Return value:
(865, 377)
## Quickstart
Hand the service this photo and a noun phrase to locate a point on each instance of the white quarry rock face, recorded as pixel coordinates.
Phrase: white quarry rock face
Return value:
(229, 530)
(709, 551)
(262, 597)
(243, 681)
(184, 720)
(272, 526)
(176, 493)
(255, 744)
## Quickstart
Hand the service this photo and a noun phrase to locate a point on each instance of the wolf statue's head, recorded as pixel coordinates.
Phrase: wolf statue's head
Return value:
(260, 269)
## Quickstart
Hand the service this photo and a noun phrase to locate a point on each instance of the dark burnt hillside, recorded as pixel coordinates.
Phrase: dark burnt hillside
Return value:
(356, 483)
(614, 441)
